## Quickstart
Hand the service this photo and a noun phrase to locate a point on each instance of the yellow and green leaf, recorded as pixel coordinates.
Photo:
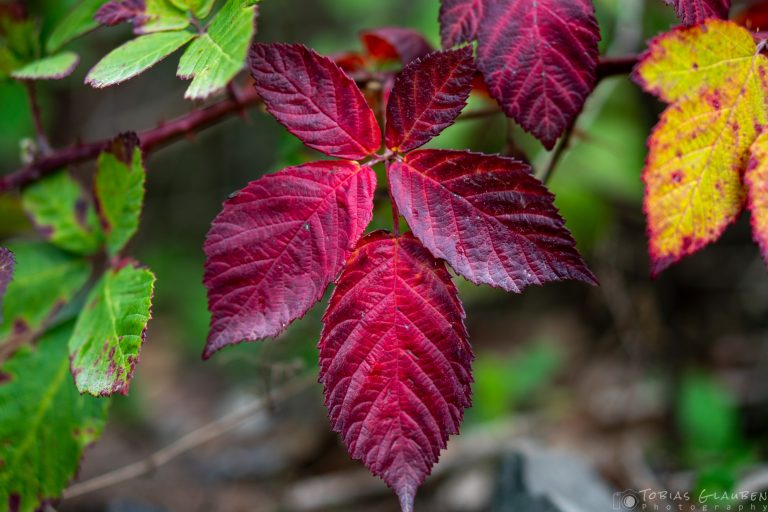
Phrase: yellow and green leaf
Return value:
(756, 180)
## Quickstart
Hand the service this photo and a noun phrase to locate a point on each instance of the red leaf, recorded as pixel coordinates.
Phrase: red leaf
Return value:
(539, 60)
(119, 11)
(755, 17)
(277, 245)
(7, 264)
(427, 97)
(315, 100)
(487, 216)
(395, 362)
(349, 61)
(459, 20)
(395, 43)
(693, 12)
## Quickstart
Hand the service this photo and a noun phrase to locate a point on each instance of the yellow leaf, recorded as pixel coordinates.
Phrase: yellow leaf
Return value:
(756, 179)
(714, 78)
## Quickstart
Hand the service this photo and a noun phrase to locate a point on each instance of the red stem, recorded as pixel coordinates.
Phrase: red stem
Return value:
(611, 66)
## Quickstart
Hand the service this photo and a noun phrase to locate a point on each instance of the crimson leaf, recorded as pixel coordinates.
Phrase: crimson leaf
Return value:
(119, 11)
(459, 21)
(395, 362)
(395, 43)
(277, 245)
(427, 97)
(539, 60)
(693, 12)
(315, 100)
(7, 263)
(487, 216)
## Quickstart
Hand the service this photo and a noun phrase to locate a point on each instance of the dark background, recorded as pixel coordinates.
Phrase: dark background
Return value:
(652, 383)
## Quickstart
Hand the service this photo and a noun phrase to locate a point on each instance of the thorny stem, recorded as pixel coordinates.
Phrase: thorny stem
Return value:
(164, 133)
(37, 118)
(195, 120)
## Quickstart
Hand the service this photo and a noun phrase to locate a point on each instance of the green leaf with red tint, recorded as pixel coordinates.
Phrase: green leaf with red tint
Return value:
(315, 100)
(119, 186)
(427, 97)
(539, 60)
(45, 424)
(104, 347)
(395, 361)
(279, 243)
(63, 213)
(488, 217)
(45, 279)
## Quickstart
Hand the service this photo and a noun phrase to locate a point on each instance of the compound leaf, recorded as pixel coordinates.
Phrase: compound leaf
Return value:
(45, 279)
(45, 424)
(395, 361)
(715, 81)
(756, 180)
(61, 211)
(459, 21)
(105, 345)
(427, 97)
(119, 185)
(315, 100)
(487, 216)
(539, 61)
(159, 16)
(135, 57)
(395, 43)
(279, 243)
(54, 67)
(200, 8)
(7, 263)
(215, 57)
(77, 22)
(693, 12)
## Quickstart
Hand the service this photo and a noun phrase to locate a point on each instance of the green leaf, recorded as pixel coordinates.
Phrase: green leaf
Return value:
(120, 194)
(44, 423)
(214, 58)
(54, 67)
(59, 208)
(200, 8)
(105, 345)
(135, 56)
(161, 16)
(76, 23)
(21, 37)
(44, 280)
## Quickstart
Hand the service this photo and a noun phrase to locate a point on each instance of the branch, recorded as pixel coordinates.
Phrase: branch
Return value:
(149, 140)
(198, 119)
(192, 440)
(611, 66)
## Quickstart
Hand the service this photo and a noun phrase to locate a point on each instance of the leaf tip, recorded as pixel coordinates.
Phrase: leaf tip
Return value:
(406, 497)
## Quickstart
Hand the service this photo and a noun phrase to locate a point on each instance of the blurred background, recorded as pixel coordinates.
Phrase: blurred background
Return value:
(580, 392)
